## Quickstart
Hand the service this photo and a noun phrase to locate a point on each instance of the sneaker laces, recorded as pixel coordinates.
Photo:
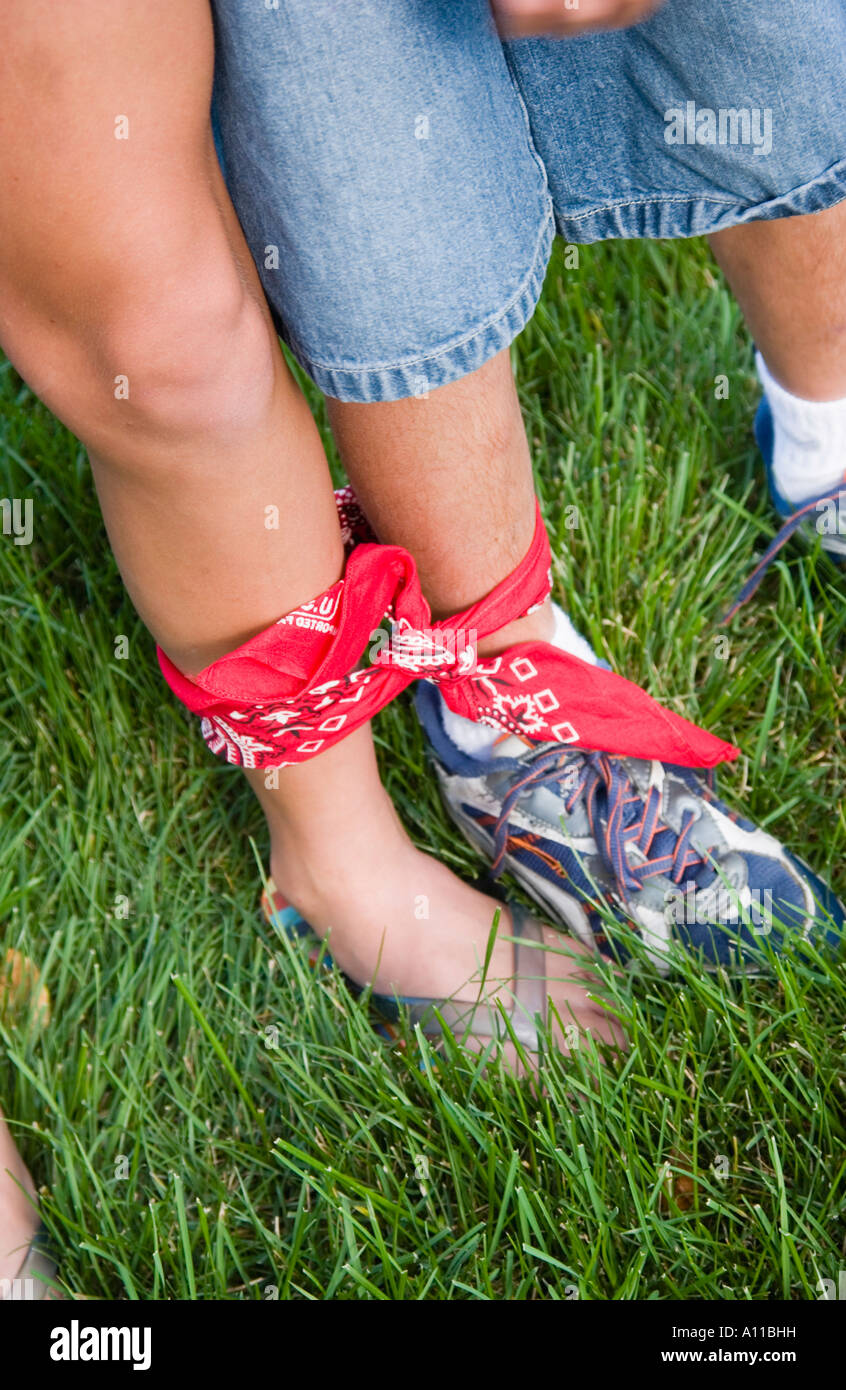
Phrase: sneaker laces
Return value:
(775, 547)
(618, 817)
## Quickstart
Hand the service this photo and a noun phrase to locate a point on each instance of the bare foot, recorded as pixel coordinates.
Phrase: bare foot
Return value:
(400, 920)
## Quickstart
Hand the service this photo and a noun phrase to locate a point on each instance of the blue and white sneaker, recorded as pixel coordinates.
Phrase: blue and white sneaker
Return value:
(652, 843)
(822, 515)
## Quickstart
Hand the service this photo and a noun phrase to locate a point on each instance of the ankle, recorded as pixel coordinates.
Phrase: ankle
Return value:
(396, 918)
(538, 626)
(304, 858)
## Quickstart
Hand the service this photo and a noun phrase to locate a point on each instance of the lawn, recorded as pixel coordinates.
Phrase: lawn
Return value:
(208, 1117)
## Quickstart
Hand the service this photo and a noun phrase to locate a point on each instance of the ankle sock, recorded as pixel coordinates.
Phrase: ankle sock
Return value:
(809, 453)
(478, 739)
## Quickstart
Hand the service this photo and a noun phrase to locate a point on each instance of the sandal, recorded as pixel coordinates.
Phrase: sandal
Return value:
(504, 1020)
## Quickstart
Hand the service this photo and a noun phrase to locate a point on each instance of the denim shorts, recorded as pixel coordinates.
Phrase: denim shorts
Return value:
(399, 172)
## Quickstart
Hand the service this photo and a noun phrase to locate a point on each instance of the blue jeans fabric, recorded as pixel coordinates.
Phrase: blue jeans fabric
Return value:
(400, 172)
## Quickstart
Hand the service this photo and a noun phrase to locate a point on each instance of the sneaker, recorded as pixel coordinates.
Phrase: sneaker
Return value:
(820, 516)
(823, 515)
(648, 843)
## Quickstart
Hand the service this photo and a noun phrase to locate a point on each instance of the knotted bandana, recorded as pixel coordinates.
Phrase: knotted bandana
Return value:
(297, 688)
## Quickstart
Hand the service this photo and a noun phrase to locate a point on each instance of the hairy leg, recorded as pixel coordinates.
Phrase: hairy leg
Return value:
(450, 478)
(789, 277)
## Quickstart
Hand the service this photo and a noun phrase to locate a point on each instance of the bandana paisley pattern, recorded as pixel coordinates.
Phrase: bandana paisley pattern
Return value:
(300, 686)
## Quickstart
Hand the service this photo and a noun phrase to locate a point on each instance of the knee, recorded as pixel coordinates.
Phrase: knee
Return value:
(188, 363)
(182, 355)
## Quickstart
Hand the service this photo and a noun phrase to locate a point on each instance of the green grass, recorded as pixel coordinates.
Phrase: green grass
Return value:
(208, 1118)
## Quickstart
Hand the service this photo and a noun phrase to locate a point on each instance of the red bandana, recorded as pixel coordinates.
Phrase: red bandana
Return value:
(293, 690)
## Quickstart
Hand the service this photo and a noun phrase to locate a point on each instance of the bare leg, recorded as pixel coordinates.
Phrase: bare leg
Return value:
(789, 277)
(144, 327)
(146, 333)
(450, 478)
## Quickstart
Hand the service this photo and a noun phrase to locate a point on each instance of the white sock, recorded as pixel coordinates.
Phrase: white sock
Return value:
(479, 738)
(809, 449)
